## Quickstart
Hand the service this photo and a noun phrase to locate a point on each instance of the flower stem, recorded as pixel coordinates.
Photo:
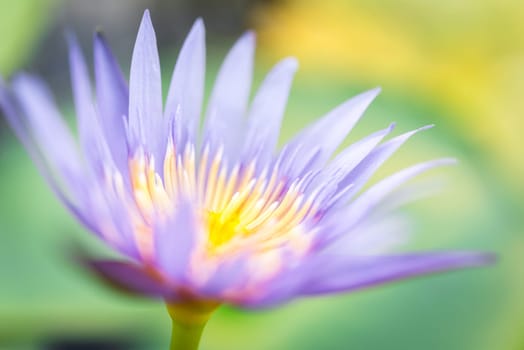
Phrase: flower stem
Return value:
(186, 337)
(189, 319)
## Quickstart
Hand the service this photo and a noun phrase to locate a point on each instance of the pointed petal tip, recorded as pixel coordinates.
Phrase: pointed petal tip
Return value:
(426, 127)
(99, 34)
(75, 51)
(199, 22)
(367, 96)
(478, 259)
(289, 63)
(375, 91)
(246, 43)
(440, 162)
(198, 28)
(370, 95)
(416, 131)
(147, 14)
(488, 258)
(448, 161)
(363, 99)
(146, 22)
(392, 126)
(100, 43)
(23, 78)
(469, 258)
(248, 36)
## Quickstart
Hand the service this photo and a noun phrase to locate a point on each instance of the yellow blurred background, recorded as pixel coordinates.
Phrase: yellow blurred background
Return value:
(464, 56)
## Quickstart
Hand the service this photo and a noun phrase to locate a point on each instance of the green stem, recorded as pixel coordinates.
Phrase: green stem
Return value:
(186, 337)
(189, 319)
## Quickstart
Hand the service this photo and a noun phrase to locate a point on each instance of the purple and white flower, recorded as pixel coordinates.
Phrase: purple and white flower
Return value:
(218, 212)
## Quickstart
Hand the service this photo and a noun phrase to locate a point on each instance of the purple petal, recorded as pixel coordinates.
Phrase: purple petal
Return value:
(230, 275)
(92, 140)
(228, 101)
(174, 239)
(46, 127)
(108, 205)
(267, 110)
(410, 193)
(129, 277)
(112, 95)
(83, 211)
(329, 177)
(342, 221)
(379, 235)
(184, 99)
(353, 155)
(145, 92)
(327, 134)
(374, 196)
(278, 292)
(81, 88)
(15, 121)
(358, 177)
(343, 275)
(103, 205)
(78, 203)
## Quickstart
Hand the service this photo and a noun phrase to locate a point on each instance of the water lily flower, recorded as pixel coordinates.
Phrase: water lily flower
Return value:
(217, 214)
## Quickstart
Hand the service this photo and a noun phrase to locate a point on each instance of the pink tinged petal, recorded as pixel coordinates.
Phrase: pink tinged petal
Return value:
(228, 102)
(277, 288)
(186, 91)
(227, 281)
(129, 277)
(112, 95)
(283, 288)
(174, 240)
(344, 275)
(146, 123)
(267, 110)
(325, 135)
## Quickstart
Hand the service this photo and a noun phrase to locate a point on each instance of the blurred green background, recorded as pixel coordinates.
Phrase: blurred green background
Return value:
(458, 64)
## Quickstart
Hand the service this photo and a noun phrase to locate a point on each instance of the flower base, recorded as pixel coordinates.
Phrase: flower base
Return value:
(189, 319)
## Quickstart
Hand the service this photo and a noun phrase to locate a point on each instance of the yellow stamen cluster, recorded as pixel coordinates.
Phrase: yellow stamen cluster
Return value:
(236, 207)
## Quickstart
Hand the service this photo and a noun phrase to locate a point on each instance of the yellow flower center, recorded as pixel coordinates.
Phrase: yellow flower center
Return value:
(236, 208)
